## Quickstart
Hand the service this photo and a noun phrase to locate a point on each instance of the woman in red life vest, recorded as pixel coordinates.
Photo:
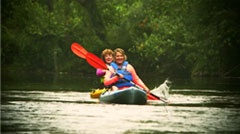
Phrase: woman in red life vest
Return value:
(124, 70)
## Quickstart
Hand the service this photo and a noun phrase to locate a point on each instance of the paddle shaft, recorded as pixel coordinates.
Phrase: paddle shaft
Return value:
(135, 85)
(143, 89)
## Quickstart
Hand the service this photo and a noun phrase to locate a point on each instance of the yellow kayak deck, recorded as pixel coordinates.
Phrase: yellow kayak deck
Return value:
(95, 93)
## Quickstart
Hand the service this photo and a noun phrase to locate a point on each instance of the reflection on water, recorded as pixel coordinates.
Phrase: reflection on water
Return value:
(48, 82)
(70, 110)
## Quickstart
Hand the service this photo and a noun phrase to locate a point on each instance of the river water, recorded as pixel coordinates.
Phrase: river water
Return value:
(43, 104)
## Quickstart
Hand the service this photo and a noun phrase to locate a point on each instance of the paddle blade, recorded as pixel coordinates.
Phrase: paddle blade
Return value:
(79, 50)
(96, 62)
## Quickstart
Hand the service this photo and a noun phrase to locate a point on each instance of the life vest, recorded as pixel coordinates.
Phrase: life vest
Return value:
(123, 70)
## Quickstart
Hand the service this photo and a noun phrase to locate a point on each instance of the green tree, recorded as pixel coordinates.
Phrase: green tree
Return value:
(196, 37)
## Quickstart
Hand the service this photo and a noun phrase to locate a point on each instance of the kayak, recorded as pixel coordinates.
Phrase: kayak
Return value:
(97, 92)
(130, 95)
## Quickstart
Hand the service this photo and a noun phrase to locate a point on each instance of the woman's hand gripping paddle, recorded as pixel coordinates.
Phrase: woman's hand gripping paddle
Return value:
(96, 62)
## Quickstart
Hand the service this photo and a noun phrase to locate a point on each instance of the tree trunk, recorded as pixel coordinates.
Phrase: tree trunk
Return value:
(55, 60)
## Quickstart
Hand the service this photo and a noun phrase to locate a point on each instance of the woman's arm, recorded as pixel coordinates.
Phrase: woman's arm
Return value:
(100, 72)
(136, 79)
(108, 80)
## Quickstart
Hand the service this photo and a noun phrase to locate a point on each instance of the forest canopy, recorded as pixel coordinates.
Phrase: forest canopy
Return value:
(174, 37)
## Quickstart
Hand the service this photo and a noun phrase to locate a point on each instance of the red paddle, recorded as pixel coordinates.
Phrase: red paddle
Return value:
(96, 62)
(79, 50)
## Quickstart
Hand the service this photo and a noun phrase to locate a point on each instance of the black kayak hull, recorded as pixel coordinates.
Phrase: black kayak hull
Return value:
(130, 95)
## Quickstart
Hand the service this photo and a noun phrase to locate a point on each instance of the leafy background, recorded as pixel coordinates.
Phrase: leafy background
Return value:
(177, 37)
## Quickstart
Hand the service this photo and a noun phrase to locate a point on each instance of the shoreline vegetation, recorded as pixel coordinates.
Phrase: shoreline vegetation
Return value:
(196, 38)
(6, 70)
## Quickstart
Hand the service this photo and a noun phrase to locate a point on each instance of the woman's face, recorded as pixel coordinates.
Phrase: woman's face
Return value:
(119, 58)
(108, 58)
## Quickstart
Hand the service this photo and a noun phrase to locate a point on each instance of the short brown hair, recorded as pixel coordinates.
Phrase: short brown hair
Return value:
(106, 52)
(120, 50)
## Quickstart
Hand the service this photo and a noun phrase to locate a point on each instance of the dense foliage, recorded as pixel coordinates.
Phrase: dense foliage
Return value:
(177, 37)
